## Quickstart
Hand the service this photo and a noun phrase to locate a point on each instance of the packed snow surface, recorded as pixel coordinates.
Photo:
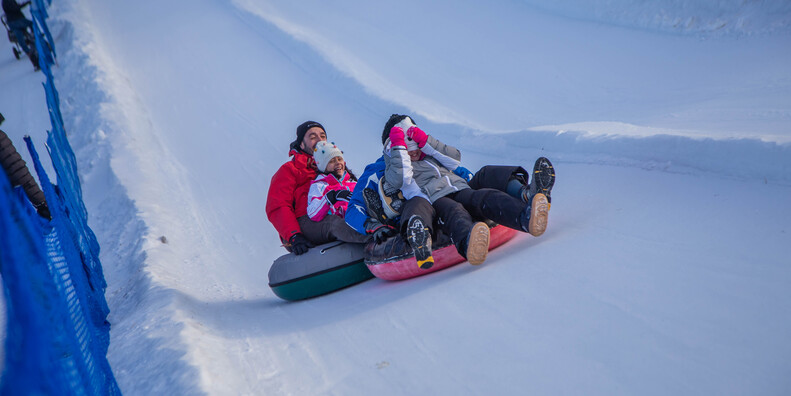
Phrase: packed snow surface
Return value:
(665, 268)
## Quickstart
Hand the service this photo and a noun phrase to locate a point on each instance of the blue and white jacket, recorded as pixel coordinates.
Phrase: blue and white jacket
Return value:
(357, 211)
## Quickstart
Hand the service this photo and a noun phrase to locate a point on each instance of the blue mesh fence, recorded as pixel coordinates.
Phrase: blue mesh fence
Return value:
(57, 331)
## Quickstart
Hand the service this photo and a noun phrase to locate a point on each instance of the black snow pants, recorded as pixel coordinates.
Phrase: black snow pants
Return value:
(485, 200)
(330, 228)
(498, 177)
(458, 212)
(417, 206)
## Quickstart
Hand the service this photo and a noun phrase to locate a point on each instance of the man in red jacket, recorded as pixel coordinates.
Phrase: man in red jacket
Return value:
(287, 200)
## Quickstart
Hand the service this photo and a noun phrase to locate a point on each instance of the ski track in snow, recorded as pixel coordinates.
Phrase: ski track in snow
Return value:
(660, 273)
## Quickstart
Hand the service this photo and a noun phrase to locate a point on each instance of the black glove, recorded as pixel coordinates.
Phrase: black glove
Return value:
(380, 232)
(338, 195)
(299, 244)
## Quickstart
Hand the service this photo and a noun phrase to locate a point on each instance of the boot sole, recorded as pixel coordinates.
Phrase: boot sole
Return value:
(544, 176)
(420, 241)
(374, 205)
(539, 214)
(478, 243)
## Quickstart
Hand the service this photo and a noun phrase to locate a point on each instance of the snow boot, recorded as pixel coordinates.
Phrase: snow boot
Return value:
(542, 181)
(534, 217)
(374, 205)
(478, 243)
(419, 238)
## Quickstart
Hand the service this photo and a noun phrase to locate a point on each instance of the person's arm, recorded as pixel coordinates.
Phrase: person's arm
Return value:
(447, 155)
(280, 203)
(318, 205)
(398, 165)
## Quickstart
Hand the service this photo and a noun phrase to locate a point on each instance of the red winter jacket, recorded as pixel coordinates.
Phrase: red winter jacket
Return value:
(288, 193)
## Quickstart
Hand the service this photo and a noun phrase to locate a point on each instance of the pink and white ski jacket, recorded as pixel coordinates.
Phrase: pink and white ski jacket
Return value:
(318, 204)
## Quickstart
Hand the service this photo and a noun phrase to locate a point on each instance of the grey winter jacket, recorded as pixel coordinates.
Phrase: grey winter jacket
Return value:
(431, 178)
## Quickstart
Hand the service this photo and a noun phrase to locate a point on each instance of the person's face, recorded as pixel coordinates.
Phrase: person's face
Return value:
(414, 155)
(312, 136)
(336, 166)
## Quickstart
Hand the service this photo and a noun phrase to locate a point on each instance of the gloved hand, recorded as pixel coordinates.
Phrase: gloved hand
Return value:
(379, 231)
(397, 137)
(299, 244)
(463, 172)
(417, 135)
(338, 195)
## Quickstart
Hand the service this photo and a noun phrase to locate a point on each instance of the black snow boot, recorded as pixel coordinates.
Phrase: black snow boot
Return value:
(374, 205)
(542, 181)
(418, 236)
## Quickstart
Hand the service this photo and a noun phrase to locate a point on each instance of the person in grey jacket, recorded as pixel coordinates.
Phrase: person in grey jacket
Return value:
(422, 166)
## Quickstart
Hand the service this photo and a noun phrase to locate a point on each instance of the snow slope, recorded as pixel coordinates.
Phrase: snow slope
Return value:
(665, 268)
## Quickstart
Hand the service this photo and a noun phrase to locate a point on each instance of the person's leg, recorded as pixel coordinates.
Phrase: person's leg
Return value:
(420, 207)
(492, 204)
(330, 228)
(22, 28)
(470, 238)
(417, 218)
(504, 209)
(498, 177)
(19, 33)
(514, 179)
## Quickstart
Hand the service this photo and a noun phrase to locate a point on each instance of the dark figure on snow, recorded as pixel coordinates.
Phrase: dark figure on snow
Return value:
(19, 175)
(287, 200)
(21, 28)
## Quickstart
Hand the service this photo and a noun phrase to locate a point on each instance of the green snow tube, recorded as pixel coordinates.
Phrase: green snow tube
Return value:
(323, 269)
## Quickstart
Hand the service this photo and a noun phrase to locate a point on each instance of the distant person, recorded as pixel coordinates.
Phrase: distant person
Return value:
(21, 28)
(287, 199)
(19, 175)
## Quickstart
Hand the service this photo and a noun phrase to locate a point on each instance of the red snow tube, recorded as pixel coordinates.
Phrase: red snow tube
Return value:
(394, 259)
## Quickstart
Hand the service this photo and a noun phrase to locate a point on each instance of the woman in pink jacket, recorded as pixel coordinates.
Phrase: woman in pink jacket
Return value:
(330, 191)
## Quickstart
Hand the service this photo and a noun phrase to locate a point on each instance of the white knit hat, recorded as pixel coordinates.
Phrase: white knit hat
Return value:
(324, 152)
(405, 124)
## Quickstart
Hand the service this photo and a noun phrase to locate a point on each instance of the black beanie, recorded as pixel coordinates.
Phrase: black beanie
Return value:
(302, 129)
(394, 119)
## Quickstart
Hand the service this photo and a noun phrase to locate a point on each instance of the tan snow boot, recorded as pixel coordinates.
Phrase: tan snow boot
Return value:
(539, 213)
(478, 243)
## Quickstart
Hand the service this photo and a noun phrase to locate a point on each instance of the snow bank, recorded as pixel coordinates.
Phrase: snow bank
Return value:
(708, 18)
(551, 69)
(640, 286)
(141, 313)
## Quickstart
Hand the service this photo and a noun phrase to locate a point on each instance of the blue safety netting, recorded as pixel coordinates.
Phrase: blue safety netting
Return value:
(57, 332)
